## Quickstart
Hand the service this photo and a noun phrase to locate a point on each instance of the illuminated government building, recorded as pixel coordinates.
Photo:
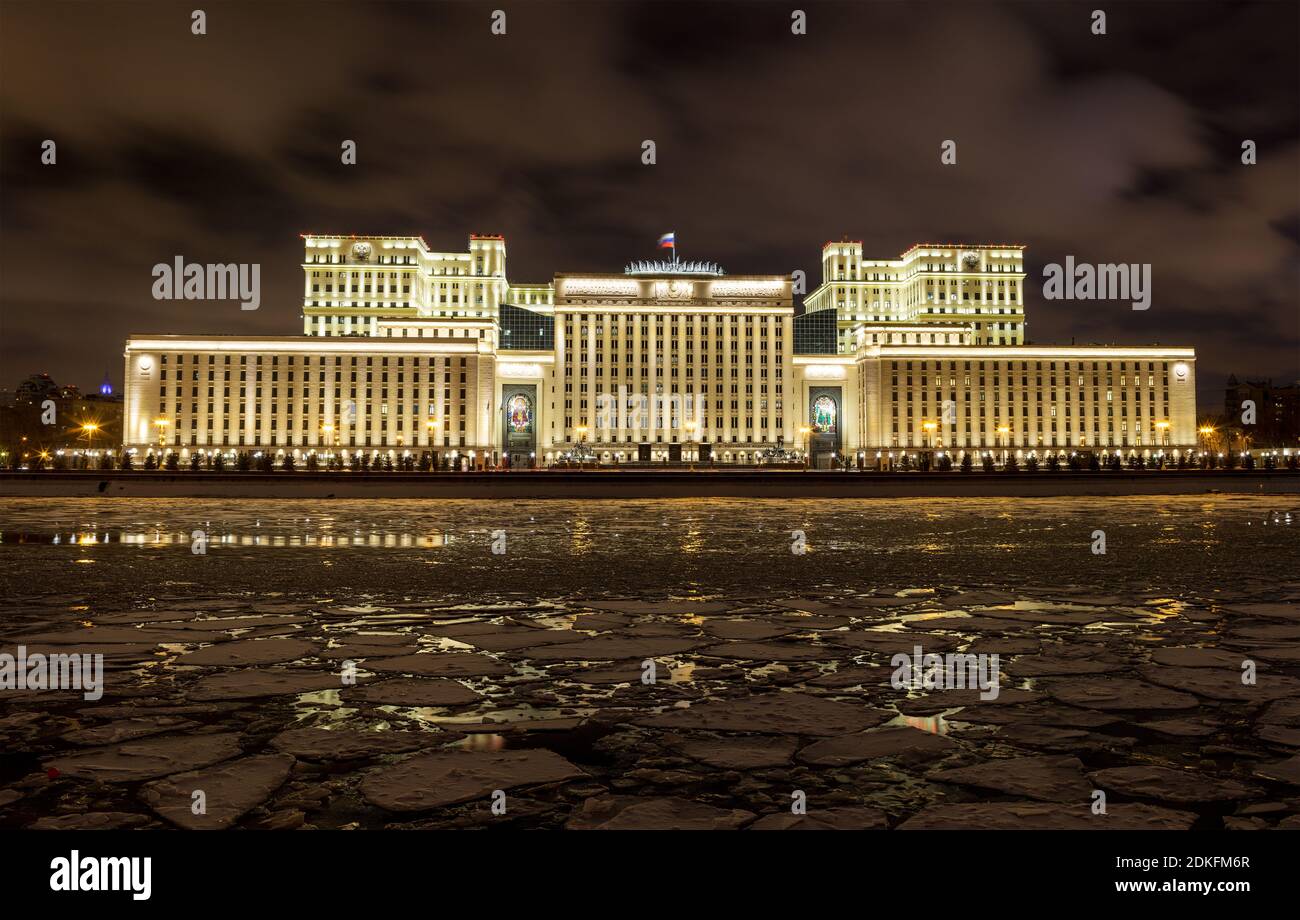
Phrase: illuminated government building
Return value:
(405, 350)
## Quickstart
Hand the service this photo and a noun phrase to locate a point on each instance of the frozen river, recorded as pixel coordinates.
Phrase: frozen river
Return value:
(126, 551)
(508, 643)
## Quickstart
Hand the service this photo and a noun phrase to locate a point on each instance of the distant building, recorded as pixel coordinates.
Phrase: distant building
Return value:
(77, 422)
(36, 388)
(1277, 411)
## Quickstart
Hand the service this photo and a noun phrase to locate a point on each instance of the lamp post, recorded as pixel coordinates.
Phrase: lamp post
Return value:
(805, 435)
(691, 428)
(161, 424)
(1003, 431)
(1163, 428)
(930, 428)
(430, 426)
(582, 439)
(89, 428)
(1205, 432)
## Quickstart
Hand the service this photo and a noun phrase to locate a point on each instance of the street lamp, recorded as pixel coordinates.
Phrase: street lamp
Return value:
(930, 428)
(805, 434)
(1003, 431)
(582, 439)
(161, 424)
(1206, 432)
(89, 428)
(1163, 428)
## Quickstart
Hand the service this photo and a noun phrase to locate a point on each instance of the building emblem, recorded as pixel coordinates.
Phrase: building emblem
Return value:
(824, 415)
(521, 414)
(674, 290)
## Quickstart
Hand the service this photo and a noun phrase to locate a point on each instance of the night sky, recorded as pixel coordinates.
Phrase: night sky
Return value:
(225, 147)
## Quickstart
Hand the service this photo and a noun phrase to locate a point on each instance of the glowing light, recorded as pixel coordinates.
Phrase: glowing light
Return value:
(674, 268)
(515, 371)
(823, 372)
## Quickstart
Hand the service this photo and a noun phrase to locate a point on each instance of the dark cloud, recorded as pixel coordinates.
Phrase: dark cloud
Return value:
(1124, 147)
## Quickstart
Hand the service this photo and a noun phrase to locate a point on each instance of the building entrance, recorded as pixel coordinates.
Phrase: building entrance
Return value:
(519, 425)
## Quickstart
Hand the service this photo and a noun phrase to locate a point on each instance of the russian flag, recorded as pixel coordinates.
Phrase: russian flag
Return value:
(668, 241)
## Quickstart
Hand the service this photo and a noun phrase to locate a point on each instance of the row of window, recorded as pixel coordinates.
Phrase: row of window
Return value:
(416, 376)
(705, 433)
(305, 360)
(362, 289)
(922, 411)
(682, 319)
(849, 271)
(198, 439)
(336, 258)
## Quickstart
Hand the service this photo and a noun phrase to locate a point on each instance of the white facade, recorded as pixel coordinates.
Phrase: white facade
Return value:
(351, 283)
(982, 286)
(290, 395)
(1060, 397)
(406, 350)
(664, 359)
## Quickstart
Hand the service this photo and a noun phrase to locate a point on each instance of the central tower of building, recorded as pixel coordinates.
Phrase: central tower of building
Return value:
(677, 356)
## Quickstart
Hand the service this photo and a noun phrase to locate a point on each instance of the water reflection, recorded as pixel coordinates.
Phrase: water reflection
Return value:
(369, 540)
(935, 725)
(673, 546)
(482, 742)
(581, 541)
